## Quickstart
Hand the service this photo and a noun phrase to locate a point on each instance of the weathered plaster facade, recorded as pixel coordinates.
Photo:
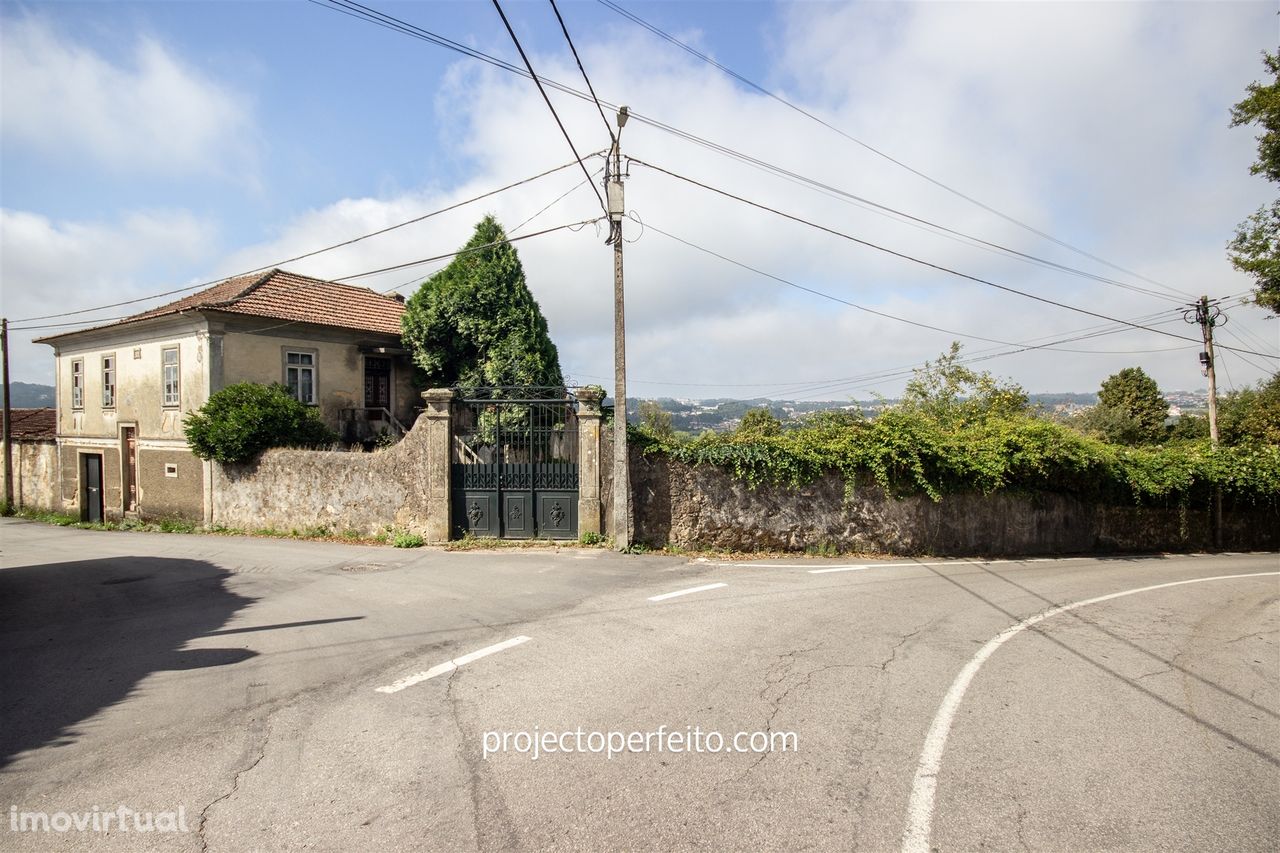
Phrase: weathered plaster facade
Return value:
(35, 473)
(212, 350)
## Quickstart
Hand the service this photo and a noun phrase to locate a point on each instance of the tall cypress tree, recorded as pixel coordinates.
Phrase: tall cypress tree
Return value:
(475, 322)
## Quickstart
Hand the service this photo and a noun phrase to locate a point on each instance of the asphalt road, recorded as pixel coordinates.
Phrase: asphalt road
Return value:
(295, 695)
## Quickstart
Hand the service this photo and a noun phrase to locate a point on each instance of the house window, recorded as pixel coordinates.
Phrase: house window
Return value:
(300, 375)
(77, 383)
(169, 377)
(108, 381)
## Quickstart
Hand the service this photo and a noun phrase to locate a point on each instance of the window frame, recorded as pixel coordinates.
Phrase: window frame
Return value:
(313, 368)
(110, 376)
(77, 383)
(166, 401)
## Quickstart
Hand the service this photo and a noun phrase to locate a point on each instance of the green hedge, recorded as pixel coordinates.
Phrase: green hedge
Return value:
(906, 453)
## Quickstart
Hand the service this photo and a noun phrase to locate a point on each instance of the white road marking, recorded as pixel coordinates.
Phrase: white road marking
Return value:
(450, 666)
(831, 569)
(851, 567)
(689, 591)
(915, 838)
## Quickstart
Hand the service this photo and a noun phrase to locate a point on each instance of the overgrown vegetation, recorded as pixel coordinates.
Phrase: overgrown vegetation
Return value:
(961, 431)
(242, 420)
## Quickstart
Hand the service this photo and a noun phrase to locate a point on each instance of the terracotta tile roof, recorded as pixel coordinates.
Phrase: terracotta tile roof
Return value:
(33, 424)
(286, 296)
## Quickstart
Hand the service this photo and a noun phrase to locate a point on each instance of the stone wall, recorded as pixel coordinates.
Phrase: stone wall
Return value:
(35, 474)
(705, 507)
(367, 492)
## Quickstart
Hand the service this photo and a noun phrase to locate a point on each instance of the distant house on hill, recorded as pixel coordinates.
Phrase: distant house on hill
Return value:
(123, 389)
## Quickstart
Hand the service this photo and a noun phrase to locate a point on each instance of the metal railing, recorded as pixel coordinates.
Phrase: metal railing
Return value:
(354, 421)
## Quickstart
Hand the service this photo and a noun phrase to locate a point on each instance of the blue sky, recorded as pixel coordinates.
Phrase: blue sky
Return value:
(148, 146)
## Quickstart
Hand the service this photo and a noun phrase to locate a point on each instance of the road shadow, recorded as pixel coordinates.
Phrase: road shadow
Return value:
(78, 637)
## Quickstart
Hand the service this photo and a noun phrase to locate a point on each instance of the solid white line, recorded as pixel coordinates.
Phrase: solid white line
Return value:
(915, 838)
(853, 568)
(849, 567)
(450, 666)
(689, 591)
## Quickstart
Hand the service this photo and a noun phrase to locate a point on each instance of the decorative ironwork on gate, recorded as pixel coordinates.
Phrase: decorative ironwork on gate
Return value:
(514, 464)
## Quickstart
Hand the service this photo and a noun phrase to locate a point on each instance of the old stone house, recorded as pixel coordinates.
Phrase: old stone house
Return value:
(123, 390)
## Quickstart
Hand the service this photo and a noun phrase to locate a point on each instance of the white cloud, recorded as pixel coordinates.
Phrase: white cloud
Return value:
(49, 267)
(153, 115)
(1104, 124)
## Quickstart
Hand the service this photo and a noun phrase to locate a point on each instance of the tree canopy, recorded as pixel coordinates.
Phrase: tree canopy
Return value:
(475, 322)
(951, 393)
(656, 420)
(1130, 409)
(1256, 247)
(1251, 414)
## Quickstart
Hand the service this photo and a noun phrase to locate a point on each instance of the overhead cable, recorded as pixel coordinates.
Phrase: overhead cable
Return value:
(309, 254)
(903, 255)
(876, 151)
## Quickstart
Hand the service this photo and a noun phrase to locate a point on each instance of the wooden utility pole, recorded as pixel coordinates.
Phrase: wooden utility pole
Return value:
(1206, 316)
(8, 449)
(621, 471)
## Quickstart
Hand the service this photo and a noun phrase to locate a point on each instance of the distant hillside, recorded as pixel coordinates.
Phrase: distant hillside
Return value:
(721, 414)
(25, 395)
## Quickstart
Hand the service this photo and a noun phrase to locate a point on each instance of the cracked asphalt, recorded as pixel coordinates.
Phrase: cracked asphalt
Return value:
(236, 679)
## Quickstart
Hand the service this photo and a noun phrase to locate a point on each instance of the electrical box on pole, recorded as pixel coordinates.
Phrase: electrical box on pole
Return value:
(617, 204)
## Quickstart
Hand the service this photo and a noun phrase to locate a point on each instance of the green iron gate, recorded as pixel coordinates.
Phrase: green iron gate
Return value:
(514, 463)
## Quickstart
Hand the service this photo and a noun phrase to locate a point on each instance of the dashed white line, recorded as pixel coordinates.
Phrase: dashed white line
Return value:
(915, 838)
(450, 666)
(689, 591)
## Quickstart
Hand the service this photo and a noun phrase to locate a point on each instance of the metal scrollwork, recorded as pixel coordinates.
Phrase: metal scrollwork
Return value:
(475, 513)
(556, 514)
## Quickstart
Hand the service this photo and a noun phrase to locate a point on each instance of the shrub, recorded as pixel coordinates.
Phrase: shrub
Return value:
(407, 540)
(242, 420)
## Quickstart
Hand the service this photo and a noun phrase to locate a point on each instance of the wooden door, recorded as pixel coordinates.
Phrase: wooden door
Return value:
(129, 469)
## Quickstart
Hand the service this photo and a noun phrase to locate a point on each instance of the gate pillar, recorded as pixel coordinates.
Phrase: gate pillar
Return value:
(589, 507)
(439, 454)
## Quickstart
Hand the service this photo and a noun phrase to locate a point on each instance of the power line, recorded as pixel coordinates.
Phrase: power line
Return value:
(422, 261)
(356, 10)
(1085, 333)
(879, 153)
(899, 215)
(788, 283)
(1243, 358)
(309, 254)
(538, 82)
(418, 278)
(406, 265)
(585, 78)
(905, 256)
